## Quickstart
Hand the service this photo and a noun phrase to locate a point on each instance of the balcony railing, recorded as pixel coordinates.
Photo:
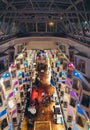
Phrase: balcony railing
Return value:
(81, 39)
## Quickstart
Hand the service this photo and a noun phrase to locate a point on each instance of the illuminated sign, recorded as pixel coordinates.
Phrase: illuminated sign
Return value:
(25, 63)
(14, 111)
(3, 112)
(19, 74)
(11, 94)
(11, 104)
(6, 75)
(12, 65)
(16, 83)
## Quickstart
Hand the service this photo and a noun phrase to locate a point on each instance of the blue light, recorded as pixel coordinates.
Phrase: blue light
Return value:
(6, 75)
(63, 73)
(3, 113)
(78, 105)
(77, 74)
(24, 81)
(58, 63)
(80, 110)
(19, 74)
(24, 63)
(89, 127)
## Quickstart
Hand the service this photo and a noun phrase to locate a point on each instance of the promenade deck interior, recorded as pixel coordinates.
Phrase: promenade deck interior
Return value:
(45, 113)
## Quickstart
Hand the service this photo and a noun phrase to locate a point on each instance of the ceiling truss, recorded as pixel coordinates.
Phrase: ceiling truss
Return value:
(43, 10)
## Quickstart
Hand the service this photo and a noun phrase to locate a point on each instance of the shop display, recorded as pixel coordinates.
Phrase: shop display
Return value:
(13, 73)
(80, 120)
(69, 118)
(72, 102)
(4, 124)
(7, 84)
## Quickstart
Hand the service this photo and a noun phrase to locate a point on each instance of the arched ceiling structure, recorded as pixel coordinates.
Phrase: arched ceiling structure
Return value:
(68, 13)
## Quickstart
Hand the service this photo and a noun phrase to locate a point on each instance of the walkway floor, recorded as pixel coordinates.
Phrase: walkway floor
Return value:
(45, 112)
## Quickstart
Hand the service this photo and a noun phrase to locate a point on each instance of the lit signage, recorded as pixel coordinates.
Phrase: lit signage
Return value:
(77, 74)
(58, 63)
(19, 74)
(14, 111)
(11, 94)
(16, 83)
(24, 63)
(6, 75)
(12, 65)
(3, 112)
(24, 81)
(71, 65)
(11, 104)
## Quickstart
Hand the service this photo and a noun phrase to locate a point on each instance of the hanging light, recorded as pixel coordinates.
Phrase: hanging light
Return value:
(51, 24)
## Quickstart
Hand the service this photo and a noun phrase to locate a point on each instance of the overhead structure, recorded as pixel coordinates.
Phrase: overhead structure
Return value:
(69, 13)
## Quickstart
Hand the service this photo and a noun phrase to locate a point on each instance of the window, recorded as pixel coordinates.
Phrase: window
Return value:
(21, 94)
(67, 90)
(11, 56)
(75, 84)
(69, 118)
(4, 124)
(13, 74)
(7, 84)
(65, 104)
(18, 66)
(1, 103)
(18, 105)
(65, 66)
(85, 100)
(73, 102)
(71, 55)
(14, 120)
(20, 81)
(80, 64)
(62, 93)
(69, 73)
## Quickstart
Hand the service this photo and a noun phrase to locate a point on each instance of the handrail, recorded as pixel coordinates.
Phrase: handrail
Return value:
(82, 40)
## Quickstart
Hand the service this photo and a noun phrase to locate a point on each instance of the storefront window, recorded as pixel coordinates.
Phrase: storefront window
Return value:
(69, 118)
(7, 84)
(80, 64)
(20, 81)
(13, 74)
(14, 120)
(75, 84)
(1, 103)
(69, 73)
(67, 90)
(72, 102)
(80, 121)
(18, 66)
(71, 55)
(85, 100)
(11, 56)
(4, 124)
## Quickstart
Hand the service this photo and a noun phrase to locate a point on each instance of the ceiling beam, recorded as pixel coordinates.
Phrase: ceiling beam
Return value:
(9, 4)
(76, 2)
(28, 11)
(42, 1)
